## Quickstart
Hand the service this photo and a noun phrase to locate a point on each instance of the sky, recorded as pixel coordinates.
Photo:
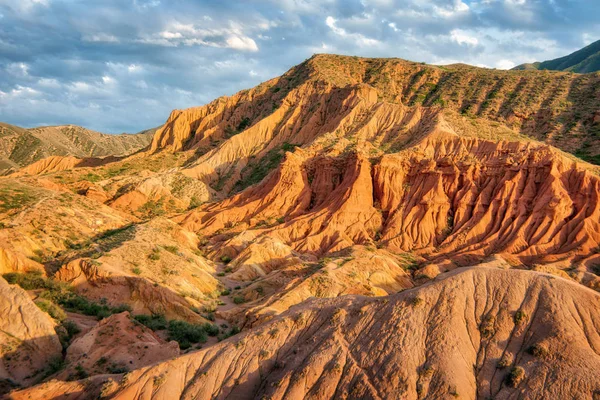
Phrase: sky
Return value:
(122, 65)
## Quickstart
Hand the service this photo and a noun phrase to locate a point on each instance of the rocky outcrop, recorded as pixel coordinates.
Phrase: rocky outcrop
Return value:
(116, 343)
(479, 332)
(28, 341)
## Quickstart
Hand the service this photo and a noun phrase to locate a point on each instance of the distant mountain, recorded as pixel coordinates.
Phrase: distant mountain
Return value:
(20, 146)
(582, 61)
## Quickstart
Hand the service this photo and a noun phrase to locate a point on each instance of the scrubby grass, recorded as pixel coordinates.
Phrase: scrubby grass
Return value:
(256, 171)
(155, 322)
(15, 198)
(62, 294)
(51, 309)
(187, 334)
(515, 377)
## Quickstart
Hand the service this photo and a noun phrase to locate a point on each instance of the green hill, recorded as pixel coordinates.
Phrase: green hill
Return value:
(581, 61)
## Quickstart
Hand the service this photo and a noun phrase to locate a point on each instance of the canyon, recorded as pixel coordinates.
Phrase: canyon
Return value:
(355, 228)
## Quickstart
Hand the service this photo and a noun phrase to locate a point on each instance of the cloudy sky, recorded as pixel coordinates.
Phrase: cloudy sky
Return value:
(123, 65)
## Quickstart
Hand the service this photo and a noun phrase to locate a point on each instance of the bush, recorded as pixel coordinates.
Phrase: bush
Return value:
(211, 329)
(117, 369)
(71, 328)
(225, 259)
(519, 317)
(172, 249)
(54, 365)
(63, 295)
(194, 203)
(239, 300)
(155, 322)
(515, 377)
(155, 255)
(29, 281)
(538, 350)
(136, 270)
(51, 309)
(186, 334)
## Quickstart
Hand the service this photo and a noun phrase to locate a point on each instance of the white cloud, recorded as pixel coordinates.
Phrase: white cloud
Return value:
(457, 7)
(100, 37)
(241, 43)
(49, 83)
(24, 6)
(132, 68)
(358, 38)
(461, 37)
(178, 34)
(505, 64)
(18, 69)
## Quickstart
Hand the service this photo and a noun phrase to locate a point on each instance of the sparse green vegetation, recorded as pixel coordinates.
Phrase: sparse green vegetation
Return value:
(520, 316)
(156, 322)
(538, 350)
(515, 377)
(172, 249)
(15, 198)
(239, 300)
(194, 203)
(152, 208)
(51, 309)
(256, 171)
(187, 334)
(225, 259)
(155, 254)
(59, 293)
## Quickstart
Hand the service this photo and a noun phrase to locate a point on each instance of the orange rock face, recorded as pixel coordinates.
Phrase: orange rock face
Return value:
(27, 337)
(366, 224)
(464, 336)
(117, 343)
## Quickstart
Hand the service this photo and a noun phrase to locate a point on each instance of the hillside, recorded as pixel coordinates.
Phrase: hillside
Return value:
(20, 147)
(349, 229)
(582, 61)
(479, 333)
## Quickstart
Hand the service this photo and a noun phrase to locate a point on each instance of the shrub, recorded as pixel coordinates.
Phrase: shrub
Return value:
(487, 327)
(225, 259)
(54, 365)
(538, 350)
(172, 249)
(136, 270)
(71, 328)
(80, 372)
(225, 292)
(194, 202)
(156, 322)
(186, 333)
(519, 317)
(155, 255)
(29, 281)
(239, 300)
(51, 309)
(117, 369)
(211, 329)
(503, 363)
(62, 295)
(515, 377)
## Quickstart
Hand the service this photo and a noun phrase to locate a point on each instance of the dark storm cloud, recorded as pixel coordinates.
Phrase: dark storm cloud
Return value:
(123, 65)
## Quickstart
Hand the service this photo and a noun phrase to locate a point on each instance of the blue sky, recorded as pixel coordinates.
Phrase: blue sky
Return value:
(123, 65)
